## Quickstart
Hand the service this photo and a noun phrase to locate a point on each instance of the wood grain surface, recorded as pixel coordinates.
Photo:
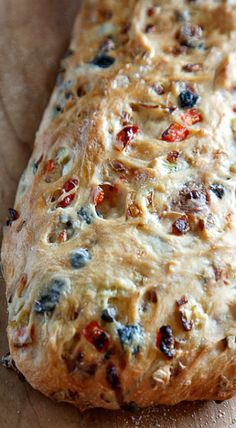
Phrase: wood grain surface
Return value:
(34, 34)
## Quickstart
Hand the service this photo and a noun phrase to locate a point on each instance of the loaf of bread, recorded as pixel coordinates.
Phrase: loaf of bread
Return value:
(119, 255)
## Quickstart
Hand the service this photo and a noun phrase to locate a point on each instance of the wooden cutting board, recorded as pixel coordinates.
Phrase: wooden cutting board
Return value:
(34, 34)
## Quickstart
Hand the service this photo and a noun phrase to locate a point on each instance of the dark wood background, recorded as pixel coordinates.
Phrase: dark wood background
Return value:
(34, 34)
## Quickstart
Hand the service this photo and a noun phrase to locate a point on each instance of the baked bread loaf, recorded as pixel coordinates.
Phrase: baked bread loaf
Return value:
(119, 256)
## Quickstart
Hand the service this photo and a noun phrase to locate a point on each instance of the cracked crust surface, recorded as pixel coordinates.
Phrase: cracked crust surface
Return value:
(119, 256)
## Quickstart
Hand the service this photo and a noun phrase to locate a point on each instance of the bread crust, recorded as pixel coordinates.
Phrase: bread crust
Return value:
(119, 257)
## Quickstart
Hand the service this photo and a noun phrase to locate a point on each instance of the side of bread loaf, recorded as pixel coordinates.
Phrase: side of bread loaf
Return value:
(119, 256)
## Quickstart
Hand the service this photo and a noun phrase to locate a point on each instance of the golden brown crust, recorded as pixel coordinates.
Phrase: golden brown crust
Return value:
(119, 259)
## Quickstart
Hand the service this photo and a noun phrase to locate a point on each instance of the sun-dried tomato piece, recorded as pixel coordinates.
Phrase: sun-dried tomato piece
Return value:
(151, 296)
(165, 341)
(175, 133)
(234, 108)
(56, 195)
(70, 184)
(113, 201)
(97, 195)
(126, 135)
(49, 166)
(67, 201)
(172, 156)
(97, 336)
(191, 116)
(201, 224)
(67, 187)
(181, 226)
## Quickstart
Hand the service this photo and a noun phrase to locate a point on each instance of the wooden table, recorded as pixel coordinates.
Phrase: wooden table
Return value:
(34, 34)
